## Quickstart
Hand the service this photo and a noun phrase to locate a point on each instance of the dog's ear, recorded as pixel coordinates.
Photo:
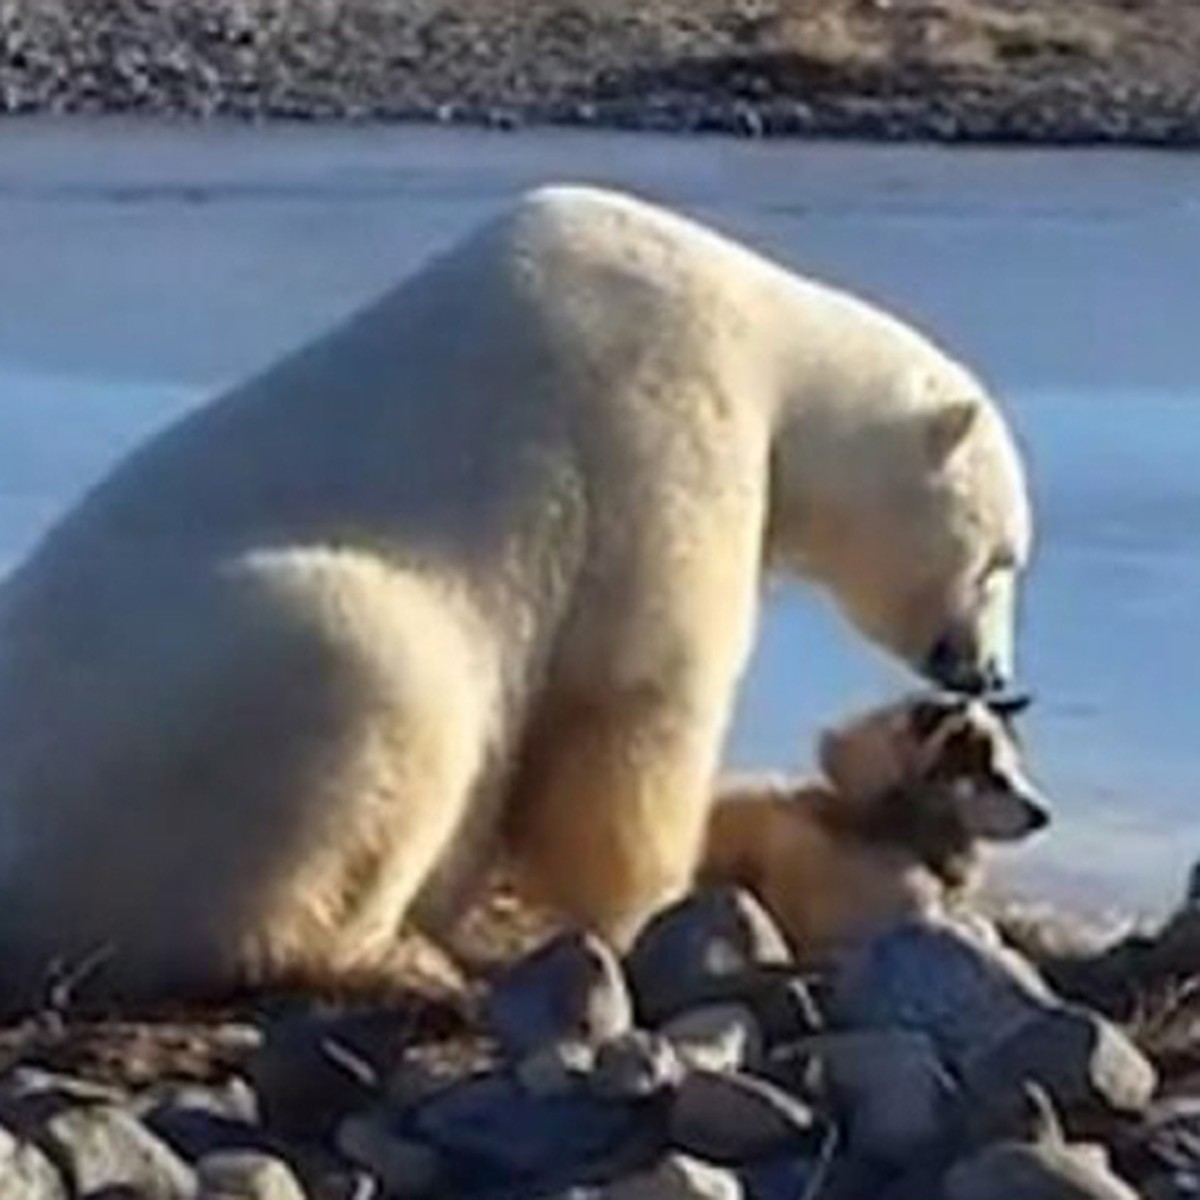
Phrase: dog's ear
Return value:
(929, 713)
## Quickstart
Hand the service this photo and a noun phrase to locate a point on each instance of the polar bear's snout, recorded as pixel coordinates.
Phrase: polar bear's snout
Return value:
(955, 663)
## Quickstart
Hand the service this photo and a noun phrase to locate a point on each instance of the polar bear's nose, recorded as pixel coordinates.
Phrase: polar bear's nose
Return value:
(951, 666)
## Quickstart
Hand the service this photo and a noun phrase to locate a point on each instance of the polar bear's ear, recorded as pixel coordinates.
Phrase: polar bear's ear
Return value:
(947, 426)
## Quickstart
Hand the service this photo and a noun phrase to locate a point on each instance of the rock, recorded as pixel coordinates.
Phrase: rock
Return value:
(233, 1099)
(1038, 1165)
(556, 1068)
(246, 1175)
(635, 1066)
(717, 1037)
(1162, 1154)
(732, 1119)
(505, 1130)
(26, 1173)
(702, 950)
(103, 1146)
(344, 1183)
(403, 1166)
(571, 988)
(936, 978)
(1082, 1060)
(677, 1177)
(22, 1083)
(310, 1071)
(891, 1088)
(780, 1178)
(991, 1018)
(199, 1121)
(1027, 1171)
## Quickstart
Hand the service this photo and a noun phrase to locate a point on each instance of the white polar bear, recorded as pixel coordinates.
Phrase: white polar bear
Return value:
(478, 570)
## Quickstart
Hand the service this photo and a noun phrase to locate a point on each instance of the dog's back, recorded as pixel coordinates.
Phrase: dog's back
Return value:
(825, 887)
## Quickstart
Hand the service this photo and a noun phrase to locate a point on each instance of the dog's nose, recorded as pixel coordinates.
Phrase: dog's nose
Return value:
(1039, 818)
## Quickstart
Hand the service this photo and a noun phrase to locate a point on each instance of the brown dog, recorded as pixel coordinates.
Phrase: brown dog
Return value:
(911, 789)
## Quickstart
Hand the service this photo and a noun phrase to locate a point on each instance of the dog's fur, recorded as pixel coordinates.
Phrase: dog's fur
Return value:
(910, 791)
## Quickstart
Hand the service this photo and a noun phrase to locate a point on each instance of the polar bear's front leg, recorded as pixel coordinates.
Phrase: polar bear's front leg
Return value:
(610, 805)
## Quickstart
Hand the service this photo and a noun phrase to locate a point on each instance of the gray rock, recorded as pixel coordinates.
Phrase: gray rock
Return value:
(1161, 1155)
(198, 1121)
(781, 1178)
(1082, 1060)
(246, 1175)
(717, 1037)
(233, 1099)
(26, 1173)
(405, 1168)
(677, 1177)
(24, 1083)
(571, 988)
(992, 1019)
(1029, 1171)
(940, 979)
(1038, 1164)
(891, 1088)
(634, 1066)
(732, 1119)
(506, 1131)
(103, 1146)
(311, 1071)
(703, 950)
(556, 1068)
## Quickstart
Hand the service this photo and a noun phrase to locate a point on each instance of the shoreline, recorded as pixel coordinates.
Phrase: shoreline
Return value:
(973, 71)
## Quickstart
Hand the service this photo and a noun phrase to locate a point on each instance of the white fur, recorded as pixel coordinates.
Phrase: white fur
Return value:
(481, 564)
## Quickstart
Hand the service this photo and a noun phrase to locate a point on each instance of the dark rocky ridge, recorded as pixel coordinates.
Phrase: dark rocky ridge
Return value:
(1123, 71)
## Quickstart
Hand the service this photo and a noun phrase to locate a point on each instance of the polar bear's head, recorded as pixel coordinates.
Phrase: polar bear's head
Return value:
(914, 513)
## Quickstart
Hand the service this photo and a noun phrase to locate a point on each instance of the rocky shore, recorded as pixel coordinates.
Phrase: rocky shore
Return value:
(1043, 71)
(953, 1057)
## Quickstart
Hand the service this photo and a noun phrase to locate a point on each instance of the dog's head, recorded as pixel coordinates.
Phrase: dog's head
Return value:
(935, 769)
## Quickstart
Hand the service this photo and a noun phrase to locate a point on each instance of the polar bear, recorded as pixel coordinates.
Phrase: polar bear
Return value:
(477, 572)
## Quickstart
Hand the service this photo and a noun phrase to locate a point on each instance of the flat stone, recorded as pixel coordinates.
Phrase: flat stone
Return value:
(26, 1173)
(1031, 1171)
(571, 988)
(704, 949)
(942, 980)
(1079, 1058)
(246, 1175)
(717, 1037)
(108, 1147)
(677, 1177)
(732, 1119)
(495, 1122)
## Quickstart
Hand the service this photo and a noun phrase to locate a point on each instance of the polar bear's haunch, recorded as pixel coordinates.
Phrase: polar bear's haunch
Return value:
(480, 566)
